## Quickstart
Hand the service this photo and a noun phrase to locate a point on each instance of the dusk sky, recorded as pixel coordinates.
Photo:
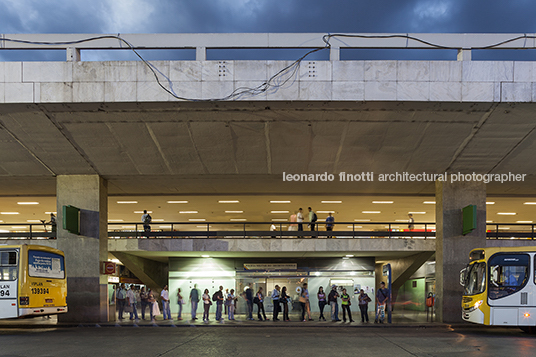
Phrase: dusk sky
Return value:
(170, 16)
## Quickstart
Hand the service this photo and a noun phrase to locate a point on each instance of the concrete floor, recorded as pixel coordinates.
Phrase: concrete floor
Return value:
(183, 340)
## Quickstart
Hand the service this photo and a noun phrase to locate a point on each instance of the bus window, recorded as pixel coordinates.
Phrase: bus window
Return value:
(508, 274)
(8, 266)
(43, 264)
(475, 282)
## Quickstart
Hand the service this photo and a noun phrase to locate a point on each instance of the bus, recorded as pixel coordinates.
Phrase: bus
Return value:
(500, 287)
(32, 281)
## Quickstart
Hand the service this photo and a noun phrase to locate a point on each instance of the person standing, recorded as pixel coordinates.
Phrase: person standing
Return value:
(219, 304)
(131, 301)
(322, 300)
(299, 219)
(206, 305)
(307, 302)
(146, 220)
(260, 305)
(345, 303)
(329, 223)
(382, 295)
(144, 303)
(285, 301)
(229, 302)
(194, 300)
(312, 219)
(411, 222)
(153, 305)
(180, 301)
(303, 303)
(225, 309)
(249, 301)
(332, 298)
(364, 299)
(275, 299)
(164, 295)
(121, 296)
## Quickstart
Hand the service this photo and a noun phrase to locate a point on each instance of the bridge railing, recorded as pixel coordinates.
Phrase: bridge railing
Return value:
(425, 230)
(74, 43)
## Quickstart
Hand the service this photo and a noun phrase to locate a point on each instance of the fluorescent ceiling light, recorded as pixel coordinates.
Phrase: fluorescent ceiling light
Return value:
(141, 212)
(504, 227)
(33, 221)
(523, 221)
(529, 203)
(371, 212)
(127, 202)
(489, 221)
(50, 212)
(355, 226)
(19, 227)
(330, 201)
(128, 226)
(506, 213)
(229, 201)
(350, 255)
(279, 201)
(115, 220)
(187, 212)
(401, 220)
(362, 220)
(380, 202)
(279, 212)
(416, 212)
(490, 203)
(158, 220)
(429, 202)
(325, 211)
(27, 203)
(234, 211)
(196, 219)
(279, 219)
(177, 201)
(205, 256)
(238, 219)
(9, 213)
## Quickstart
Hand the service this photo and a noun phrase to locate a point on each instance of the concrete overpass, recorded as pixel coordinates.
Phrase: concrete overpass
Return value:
(85, 130)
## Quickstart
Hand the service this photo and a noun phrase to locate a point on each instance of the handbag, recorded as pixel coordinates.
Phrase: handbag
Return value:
(128, 308)
(368, 299)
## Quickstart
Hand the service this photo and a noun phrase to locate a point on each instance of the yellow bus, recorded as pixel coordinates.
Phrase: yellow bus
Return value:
(32, 281)
(500, 287)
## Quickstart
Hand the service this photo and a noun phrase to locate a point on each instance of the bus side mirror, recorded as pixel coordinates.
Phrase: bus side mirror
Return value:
(462, 276)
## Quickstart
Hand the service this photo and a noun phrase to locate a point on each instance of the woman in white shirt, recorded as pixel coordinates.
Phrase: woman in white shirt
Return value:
(229, 302)
(206, 305)
(299, 219)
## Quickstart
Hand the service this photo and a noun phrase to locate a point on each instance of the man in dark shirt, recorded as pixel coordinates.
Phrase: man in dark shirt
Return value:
(249, 302)
(332, 298)
(383, 296)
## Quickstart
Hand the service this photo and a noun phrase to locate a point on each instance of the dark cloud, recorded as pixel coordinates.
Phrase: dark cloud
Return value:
(205, 16)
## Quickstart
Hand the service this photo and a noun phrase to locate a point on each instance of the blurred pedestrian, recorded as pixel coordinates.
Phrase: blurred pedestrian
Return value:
(166, 309)
(180, 302)
(131, 302)
(259, 300)
(332, 298)
(229, 302)
(364, 299)
(275, 299)
(330, 223)
(144, 303)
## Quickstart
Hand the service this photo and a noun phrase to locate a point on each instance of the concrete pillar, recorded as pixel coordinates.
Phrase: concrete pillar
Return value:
(87, 294)
(452, 248)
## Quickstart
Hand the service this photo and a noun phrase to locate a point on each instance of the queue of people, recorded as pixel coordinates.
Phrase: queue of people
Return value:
(128, 300)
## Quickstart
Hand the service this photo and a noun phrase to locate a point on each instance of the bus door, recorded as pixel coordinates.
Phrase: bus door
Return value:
(9, 275)
(508, 286)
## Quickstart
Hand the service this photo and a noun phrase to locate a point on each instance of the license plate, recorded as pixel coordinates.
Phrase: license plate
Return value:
(49, 301)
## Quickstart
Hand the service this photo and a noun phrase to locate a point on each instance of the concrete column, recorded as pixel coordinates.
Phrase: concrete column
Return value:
(86, 287)
(452, 248)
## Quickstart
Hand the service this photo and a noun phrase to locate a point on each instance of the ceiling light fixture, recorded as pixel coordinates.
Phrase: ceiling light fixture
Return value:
(27, 203)
(238, 219)
(506, 213)
(529, 203)
(182, 202)
(279, 212)
(127, 202)
(429, 202)
(187, 212)
(234, 211)
(141, 212)
(197, 219)
(490, 203)
(9, 213)
(229, 201)
(383, 202)
(279, 201)
(330, 201)
(416, 212)
(371, 212)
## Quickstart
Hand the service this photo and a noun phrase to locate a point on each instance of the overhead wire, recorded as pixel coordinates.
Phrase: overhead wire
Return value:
(276, 81)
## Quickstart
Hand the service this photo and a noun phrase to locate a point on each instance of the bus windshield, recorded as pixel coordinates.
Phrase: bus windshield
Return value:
(508, 273)
(43, 264)
(475, 282)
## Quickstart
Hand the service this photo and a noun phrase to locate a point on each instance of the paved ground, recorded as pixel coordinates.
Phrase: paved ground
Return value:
(267, 340)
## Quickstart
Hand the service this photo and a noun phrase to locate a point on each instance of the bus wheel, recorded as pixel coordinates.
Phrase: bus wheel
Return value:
(528, 329)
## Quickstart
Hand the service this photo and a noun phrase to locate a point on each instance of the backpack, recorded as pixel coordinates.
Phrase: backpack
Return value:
(215, 296)
(148, 219)
(430, 300)
(315, 218)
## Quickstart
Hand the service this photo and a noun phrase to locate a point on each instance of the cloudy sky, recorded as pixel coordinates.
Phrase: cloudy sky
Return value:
(168, 16)
(228, 16)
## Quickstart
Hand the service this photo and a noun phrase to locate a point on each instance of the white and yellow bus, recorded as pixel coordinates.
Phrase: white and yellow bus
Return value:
(32, 281)
(500, 287)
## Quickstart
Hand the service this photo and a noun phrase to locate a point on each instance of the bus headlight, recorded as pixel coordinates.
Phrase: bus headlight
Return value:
(478, 303)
